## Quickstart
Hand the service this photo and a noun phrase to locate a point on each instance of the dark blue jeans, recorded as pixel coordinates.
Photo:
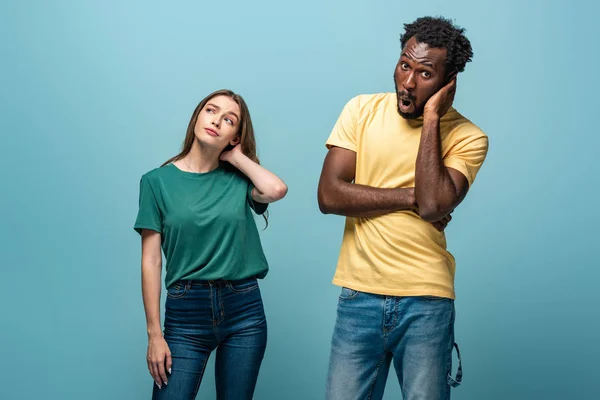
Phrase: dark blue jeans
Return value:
(371, 330)
(203, 316)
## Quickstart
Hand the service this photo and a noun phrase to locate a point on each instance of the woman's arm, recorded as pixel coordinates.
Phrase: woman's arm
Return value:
(159, 355)
(268, 187)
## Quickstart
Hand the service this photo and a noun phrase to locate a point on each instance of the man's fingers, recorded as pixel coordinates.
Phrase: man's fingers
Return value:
(452, 84)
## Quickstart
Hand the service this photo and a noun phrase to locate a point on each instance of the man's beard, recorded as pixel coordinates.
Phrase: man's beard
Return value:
(417, 112)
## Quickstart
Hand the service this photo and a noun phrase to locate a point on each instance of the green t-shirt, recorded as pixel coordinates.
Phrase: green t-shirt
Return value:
(206, 223)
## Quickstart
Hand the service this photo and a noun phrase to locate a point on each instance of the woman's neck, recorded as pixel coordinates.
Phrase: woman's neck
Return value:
(201, 160)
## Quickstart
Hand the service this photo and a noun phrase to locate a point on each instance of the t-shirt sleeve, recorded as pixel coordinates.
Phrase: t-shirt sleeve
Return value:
(344, 131)
(468, 152)
(259, 208)
(149, 216)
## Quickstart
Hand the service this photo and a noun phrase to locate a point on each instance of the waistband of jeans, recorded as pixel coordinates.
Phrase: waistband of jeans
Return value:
(213, 282)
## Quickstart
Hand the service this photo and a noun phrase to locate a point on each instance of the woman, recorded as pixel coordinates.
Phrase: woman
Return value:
(198, 207)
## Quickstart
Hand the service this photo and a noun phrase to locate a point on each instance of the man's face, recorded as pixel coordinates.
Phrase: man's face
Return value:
(420, 73)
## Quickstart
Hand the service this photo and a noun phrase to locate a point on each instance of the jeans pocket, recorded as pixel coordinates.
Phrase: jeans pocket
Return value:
(244, 286)
(348, 294)
(177, 290)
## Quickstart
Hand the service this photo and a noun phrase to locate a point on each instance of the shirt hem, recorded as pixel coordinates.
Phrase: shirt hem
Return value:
(258, 274)
(395, 292)
(344, 145)
(138, 228)
(460, 168)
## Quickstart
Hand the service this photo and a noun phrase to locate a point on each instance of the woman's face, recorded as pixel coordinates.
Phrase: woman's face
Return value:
(218, 123)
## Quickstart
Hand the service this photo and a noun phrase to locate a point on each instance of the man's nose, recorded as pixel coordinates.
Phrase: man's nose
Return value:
(409, 82)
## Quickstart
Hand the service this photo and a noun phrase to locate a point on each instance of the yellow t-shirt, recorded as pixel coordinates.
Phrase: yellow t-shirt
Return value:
(398, 254)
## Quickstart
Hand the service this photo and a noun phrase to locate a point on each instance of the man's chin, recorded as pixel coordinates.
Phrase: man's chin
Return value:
(413, 115)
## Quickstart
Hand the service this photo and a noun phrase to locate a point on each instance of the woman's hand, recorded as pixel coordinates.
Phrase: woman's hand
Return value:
(159, 360)
(232, 155)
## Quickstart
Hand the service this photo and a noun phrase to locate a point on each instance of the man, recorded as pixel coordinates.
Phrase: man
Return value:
(398, 165)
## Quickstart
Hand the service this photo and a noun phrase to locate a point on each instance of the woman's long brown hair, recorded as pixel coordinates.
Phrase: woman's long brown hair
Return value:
(246, 131)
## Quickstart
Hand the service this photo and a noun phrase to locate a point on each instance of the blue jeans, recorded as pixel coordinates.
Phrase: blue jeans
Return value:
(371, 330)
(203, 316)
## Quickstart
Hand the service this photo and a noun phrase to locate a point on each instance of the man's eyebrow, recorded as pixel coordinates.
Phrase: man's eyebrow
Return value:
(425, 63)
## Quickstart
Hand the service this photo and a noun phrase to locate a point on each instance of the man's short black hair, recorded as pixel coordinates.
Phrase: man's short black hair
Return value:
(442, 33)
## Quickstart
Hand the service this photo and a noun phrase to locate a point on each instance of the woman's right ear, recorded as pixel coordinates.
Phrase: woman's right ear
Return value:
(235, 141)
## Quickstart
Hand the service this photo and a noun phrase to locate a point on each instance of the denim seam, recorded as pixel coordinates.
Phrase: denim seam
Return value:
(434, 298)
(221, 308)
(179, 296)
(216, 332)
(381, 360)
(248, 289)
(452, 382)
(212, 306)
(383, 328)
(395, 319)
(449, 364)
(351, 297)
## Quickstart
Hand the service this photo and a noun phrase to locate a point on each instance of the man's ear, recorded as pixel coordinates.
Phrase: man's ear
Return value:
(235, 141)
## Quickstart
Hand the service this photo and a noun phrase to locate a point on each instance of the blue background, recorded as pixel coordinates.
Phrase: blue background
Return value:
(96, 93)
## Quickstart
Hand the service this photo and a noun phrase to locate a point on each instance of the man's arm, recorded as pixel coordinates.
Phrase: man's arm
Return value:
(438, 189)
(337, 195)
